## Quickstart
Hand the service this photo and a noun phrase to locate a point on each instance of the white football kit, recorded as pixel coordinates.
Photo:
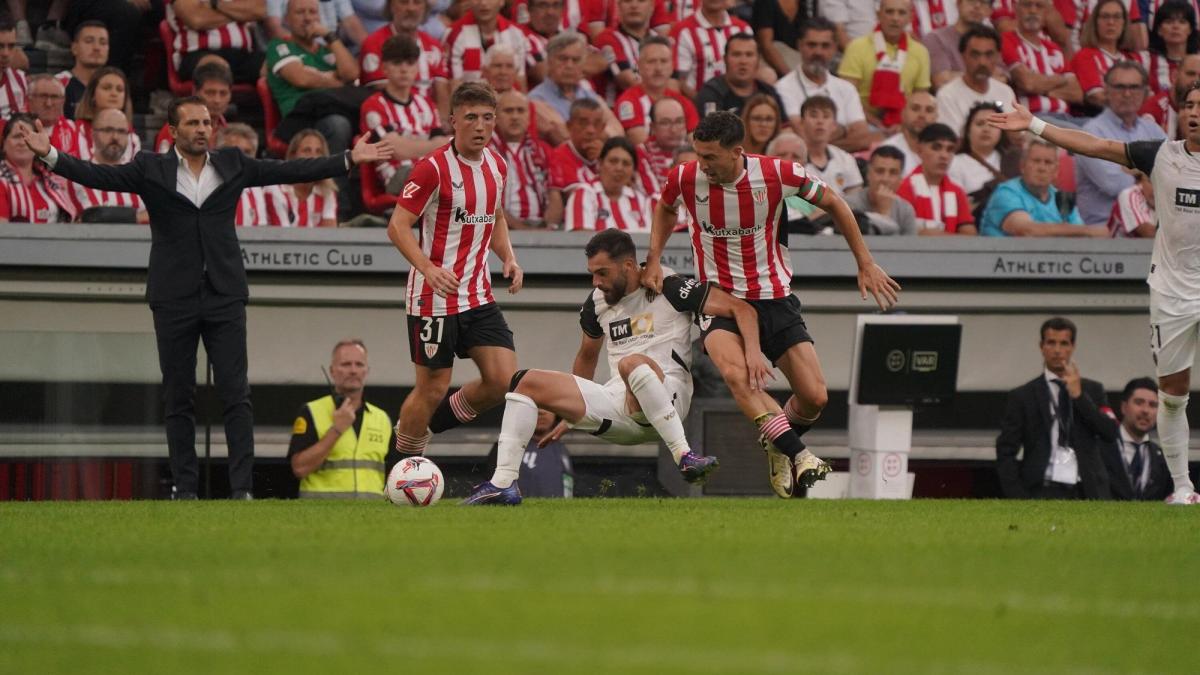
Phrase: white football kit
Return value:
(658, 327)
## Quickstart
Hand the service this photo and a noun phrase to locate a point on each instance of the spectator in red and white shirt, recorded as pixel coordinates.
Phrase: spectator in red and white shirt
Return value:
(931, 15)
(108, 89)
(110, 136)
(545, 20)
(528, 159)
(700, 44)
(90, 49)
(470, 37)
(655, 157)
(310, 204)
(398, 115)
(221, 27)
(574, 162)
(29, 192)
(46, 103)
(940, 204)
(213, 82)
(1038, 67)
(1162, 107)
(1133, 212)
(1102, 47)
(258, 205)
(12, 80)
(633, 106)
(432, 79)
(1174, 35)
(610, 203)
(620, 46)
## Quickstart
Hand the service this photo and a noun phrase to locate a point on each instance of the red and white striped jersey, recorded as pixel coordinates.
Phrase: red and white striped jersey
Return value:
(320, 204)
(682, 9)
(528, 165)
(83, 143)
(1161, 71)
(431, 66)
(13, 89)
(465, 46)
(1159, 108)
(1045, 58)
(736, 227)
(653, 164)
(45, 200)
(590, 208)
(263, 206)
(930, 15)
(1129, 211)
(232, 35)
(568, 168)
(163, 142)
(64, 78)
(633, 108)
(700, 47)
(456, 202)
(620, 51)
(83, 198)
(381, 114)
(942, 207)
(63, 136)
(576, 14)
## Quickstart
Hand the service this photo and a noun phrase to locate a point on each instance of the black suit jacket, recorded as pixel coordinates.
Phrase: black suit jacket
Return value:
(1027, 423)
(186, 239)
(1158, 484)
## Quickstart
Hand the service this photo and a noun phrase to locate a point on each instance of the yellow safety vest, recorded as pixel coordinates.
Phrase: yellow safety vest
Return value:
(355, 465)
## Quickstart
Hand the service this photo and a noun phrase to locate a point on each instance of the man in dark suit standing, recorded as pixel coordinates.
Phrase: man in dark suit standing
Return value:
(1136, 466)
(196, 284)
(1056, 417)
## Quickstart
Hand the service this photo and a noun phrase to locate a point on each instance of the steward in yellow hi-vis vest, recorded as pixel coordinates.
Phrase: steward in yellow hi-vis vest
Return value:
(340, 443)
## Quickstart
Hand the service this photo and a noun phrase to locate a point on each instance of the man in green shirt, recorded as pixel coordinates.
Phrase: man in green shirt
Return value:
(314, 58)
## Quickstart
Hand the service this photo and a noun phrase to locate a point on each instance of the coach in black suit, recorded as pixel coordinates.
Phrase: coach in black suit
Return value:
(1136, 466)
(1056, 418)
(196, 284)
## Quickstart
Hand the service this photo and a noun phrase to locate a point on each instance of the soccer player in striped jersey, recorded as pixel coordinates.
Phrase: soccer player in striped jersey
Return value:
(736, 210)
(454, 196)
(1174, 279)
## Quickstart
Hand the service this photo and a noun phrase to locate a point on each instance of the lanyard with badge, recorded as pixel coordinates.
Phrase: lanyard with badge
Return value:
(1064, 466)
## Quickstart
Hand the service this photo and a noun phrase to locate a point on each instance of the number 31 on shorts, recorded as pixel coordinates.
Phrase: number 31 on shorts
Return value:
(431, 328)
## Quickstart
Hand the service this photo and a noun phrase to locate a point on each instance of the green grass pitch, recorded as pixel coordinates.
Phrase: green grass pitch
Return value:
(599, 586)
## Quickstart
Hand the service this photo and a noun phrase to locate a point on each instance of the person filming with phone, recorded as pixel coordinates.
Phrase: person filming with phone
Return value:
(342, 446)
(1061, 419)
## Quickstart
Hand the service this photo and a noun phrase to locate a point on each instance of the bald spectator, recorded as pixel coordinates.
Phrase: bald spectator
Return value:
(213, 82)
(528, 157)
(886, 212)
(945, 60)
(834, 166)
(1038, 67)
(258, 205)
(226, 29)
(89, 48)
(884, 83)
(574, 163)
(919, 112)
(46, 103)
(738, 82)
(110, 136)
(13, 86)
(1027, 206)
(979, 57)
(405, 17)
(564, 81)
(654, 69)
(811, 77)
(668, 133)
(699, 38)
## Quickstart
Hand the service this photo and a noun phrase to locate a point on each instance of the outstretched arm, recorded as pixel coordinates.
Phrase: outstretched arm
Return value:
(120, 178)
(1081, 142)
(275, 172)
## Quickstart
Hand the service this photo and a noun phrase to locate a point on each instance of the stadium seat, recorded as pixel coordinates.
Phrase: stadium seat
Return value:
(271, 117)
(1066, 172)
(375, 198)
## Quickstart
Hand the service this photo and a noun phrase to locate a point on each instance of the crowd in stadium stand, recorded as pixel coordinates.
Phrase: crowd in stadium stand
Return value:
(885, 100)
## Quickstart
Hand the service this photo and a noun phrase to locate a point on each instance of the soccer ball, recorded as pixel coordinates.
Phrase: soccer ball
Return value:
(415, 481)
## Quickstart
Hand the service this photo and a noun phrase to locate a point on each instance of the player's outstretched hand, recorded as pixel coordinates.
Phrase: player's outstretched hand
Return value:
(1017, 120)
(36, 138)
(759, 371)
(872, 279)
(366, 152)
(652, 276)
(553, 435)
(444, 281)
(514, 273)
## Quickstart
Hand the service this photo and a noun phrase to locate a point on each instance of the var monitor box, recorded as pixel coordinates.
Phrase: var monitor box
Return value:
(908, 364)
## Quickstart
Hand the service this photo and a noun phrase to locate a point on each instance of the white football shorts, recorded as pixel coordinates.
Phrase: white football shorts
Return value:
(608, 417)
(1174, 332)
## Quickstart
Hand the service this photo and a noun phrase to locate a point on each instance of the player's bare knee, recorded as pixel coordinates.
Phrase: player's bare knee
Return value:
(630, 363)
(818, 399)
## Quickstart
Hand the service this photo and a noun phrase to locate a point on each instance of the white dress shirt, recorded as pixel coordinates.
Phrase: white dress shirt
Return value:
(196, 189)
(1063, 466)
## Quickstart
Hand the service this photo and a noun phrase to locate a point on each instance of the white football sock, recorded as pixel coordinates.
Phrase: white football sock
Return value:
(1174, 433)
(655, 400)
(516, 428)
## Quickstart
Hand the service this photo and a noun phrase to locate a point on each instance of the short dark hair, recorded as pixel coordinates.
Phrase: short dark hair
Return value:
(818, 103)
(1174, 9)
(937, 132)
(1195, 86)
(738, 37)
(620, 143)
(1138, 383)
(654, 39)
(815, 23)
(978, 31)
(616, 243)
(173, 109)
(1058, 323)
(472, 93)
(7, 25)
(213, 70)
(90, 23)
(588, 104)
(721, 126)
(400, 49)
(1126, 64)
(888, 152)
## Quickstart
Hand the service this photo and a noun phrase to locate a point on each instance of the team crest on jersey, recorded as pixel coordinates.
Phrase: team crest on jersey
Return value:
(431, 350)
(760, 196)
(410, 189)
(704, 321)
